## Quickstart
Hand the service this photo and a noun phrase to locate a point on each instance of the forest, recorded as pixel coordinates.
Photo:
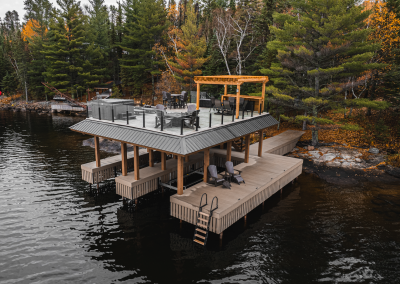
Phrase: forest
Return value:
(333, 65)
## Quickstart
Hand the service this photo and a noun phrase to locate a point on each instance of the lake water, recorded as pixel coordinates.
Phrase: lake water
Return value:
(54, 230)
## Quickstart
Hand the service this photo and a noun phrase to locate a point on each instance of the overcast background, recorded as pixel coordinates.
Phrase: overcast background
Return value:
(18, 5)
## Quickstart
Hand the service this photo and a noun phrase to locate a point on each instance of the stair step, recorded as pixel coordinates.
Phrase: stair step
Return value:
(201, 231)
(204, 220)
(197, 241)
(201, 225)
(205, 214)
(200, 236)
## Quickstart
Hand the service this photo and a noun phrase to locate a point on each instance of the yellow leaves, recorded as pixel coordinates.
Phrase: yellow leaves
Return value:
(28, 29)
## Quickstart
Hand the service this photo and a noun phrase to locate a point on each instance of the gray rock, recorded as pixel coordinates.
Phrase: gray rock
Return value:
(393, 171)
(295, 149)
(333, 164)
(374, 150)
(346, 156)
(358, 160)
(315, 154)
(348, 164)
(329, 157)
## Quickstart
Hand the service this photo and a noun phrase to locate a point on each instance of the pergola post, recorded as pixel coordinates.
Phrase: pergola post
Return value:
(151, 157)
(179, 177)
(225, 91)
(206, 164)
(136, 161)
(124, 159)
(198, 97)
(163, 161)
(97, 151)
(260, 142)
(229, 151)
(237, 101)
(247, 148)
(263, 96)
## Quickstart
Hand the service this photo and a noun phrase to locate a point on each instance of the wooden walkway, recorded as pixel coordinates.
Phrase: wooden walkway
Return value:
(109, 166)
(264, 176)
(130, 188)
(280, 144)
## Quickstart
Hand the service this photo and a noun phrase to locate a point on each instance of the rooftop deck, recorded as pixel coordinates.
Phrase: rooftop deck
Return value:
(207, 117)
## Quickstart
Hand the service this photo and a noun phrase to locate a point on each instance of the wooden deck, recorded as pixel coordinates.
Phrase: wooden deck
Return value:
(130, 188)
(280, 144)
(109, 166)
(264, 176)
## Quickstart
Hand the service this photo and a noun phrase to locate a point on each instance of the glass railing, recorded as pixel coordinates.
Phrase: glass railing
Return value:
(177, 121)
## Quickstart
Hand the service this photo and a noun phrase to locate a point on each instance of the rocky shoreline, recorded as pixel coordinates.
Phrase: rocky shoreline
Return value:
(32, 106)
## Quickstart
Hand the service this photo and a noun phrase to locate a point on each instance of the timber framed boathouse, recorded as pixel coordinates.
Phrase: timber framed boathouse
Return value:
(169, 146)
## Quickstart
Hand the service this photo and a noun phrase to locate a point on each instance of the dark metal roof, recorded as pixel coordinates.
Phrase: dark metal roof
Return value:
(181, 145)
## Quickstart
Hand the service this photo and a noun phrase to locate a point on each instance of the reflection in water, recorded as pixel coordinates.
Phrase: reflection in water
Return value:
(54, 229)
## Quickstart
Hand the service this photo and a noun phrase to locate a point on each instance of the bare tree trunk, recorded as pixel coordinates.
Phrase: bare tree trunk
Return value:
(305, 122)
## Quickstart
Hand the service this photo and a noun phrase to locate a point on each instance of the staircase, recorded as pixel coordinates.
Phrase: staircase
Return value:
(203, 222)
(67, 97)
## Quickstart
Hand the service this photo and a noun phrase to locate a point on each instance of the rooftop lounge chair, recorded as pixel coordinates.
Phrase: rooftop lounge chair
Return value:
(160, 107)
(214, 175)
(230, 173)
(183, 98)
(191, 108)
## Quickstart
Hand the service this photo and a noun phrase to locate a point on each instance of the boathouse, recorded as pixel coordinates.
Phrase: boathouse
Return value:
(169, 146)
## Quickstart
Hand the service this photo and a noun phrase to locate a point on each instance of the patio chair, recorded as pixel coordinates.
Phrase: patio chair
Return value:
(191, 121)
(160, 107)
(214, 175)
(249, 106)
(170, 101)
(230, 173)
(183, 98)
(161, 116)
(217, 106)
(226, 107)
(164, 97)
(191, 108)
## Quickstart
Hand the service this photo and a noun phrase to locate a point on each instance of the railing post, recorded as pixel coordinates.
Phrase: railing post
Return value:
(99, 114)
(162, 121)
(210, 120)
(144, 119)
(112, 113)
(260, 108)
(252, 109)
(222, 117)
(87, 111)
(243, 113)
(127, 117)
(233, 115)
(182, 121)
(197, 123)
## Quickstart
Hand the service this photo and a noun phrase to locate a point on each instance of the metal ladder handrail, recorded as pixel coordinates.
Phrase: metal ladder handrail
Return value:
(201, 201)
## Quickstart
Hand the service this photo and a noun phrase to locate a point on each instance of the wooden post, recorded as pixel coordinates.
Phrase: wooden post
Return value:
(198, 97)
(124, 159)
(97, 151)
(263, 96)
(136, 161)
(186, 158)
(229, 151)
(163, 161)
(151, 157)
(247, 149)
(179, 177)
(225, 92)
(221, 235)
(206, 163)
(260, 142)
(221, 146)
(237, 101)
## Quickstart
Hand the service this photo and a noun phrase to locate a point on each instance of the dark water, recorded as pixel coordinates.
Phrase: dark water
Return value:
(53, 230)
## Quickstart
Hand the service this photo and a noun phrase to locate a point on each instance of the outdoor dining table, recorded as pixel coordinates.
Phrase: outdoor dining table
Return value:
(176, 118)
(176, 96)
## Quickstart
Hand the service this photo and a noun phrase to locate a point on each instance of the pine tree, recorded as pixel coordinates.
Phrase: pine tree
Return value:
(143, 29)
(192, 46)
(65, 51)
(319, 45)
(37, 20)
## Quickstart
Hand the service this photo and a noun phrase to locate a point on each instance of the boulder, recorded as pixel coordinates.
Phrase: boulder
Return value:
(329, 157)
(315, 154)
(393, 171)
(333, 164)
(374, 150)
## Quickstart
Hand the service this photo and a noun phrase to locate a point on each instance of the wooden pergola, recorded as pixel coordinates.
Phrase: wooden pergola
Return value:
(233, 80)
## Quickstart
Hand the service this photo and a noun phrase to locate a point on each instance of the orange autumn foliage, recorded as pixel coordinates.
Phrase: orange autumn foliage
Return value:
(28, 30)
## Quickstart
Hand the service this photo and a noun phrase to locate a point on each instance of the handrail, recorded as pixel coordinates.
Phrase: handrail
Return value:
(68, 98)
(201, 200)
(212, 210)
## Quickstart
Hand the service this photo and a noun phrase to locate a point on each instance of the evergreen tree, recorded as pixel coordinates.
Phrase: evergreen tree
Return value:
(319, 46)
(37, 19)
(192, 46)
(144, 28)
(67, 67)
